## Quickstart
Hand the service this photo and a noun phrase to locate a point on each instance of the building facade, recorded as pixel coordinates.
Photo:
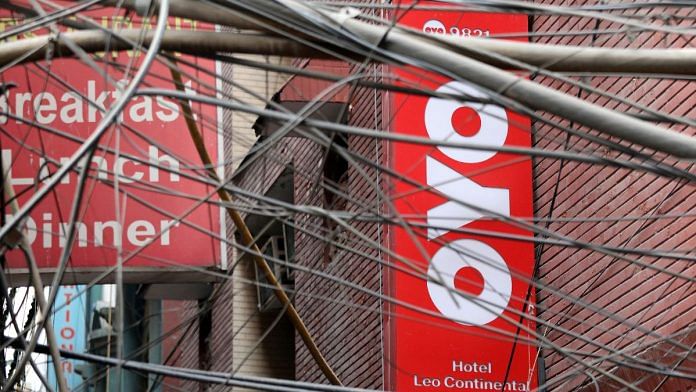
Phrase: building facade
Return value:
(338, 283)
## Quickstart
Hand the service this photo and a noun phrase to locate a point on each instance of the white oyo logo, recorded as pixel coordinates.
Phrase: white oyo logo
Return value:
(438, 123)
(467, 202)
(434, 26)
(497, 286)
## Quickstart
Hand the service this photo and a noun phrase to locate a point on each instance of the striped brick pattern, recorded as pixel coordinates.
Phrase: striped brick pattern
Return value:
(345, 321)
(237, 326)
(652, 304)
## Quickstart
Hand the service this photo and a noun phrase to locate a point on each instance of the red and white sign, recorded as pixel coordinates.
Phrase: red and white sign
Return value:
(456, 332)
(153, 130)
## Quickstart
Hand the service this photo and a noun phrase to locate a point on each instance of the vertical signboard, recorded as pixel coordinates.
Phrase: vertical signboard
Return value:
(57, 103)
(70, 326)
(458, 327)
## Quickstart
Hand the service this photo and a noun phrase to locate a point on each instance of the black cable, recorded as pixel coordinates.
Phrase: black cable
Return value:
(259, 383)
(540, 248)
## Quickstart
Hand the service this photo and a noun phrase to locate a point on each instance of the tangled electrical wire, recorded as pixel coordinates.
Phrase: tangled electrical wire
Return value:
(608, 299)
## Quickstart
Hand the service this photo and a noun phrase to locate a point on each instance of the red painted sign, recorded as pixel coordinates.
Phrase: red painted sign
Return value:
(457, 327)
(63, 98)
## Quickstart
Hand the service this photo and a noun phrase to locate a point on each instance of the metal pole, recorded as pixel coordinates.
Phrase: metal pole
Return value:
(190, 42)
(550, 57)
(524, 91)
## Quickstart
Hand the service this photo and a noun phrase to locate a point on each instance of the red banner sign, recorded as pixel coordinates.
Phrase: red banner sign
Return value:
(58, 103)
(458, 328)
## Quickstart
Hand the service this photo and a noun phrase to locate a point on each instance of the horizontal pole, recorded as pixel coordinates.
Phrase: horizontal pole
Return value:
(522, 90)
(561, 58)
(195, 43)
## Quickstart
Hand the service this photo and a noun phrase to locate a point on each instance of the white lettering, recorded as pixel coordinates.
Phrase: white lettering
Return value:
(439, 114)
(45, 173)
(80, 229)
(96, 100)
(72, 112)
(47, 235)
(102, 171)
(7, 164)
(20, 99)
(99, 228)
(470, 199)
(471, 367)
(29, 228)
(139, 232)
(68, 108)
(125, 168)
(469, 310)
(45, 106)
(426, 382)
(120, 162)
(141, 111)
(170, 110)
(155, 158)
(3, 108)
(486, 125)
(165, 227)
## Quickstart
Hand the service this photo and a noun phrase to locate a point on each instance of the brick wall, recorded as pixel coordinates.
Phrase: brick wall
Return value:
(347, 323)
(656, 302)
(237, 325)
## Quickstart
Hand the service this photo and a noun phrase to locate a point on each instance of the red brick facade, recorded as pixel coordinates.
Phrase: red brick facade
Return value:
(655, 302)
(348, 323)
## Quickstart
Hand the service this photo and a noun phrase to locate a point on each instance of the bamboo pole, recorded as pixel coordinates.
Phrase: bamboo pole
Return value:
(248, 239)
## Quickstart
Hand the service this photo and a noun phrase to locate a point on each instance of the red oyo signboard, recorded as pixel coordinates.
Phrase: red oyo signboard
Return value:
(58, 103)
(457, 328)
